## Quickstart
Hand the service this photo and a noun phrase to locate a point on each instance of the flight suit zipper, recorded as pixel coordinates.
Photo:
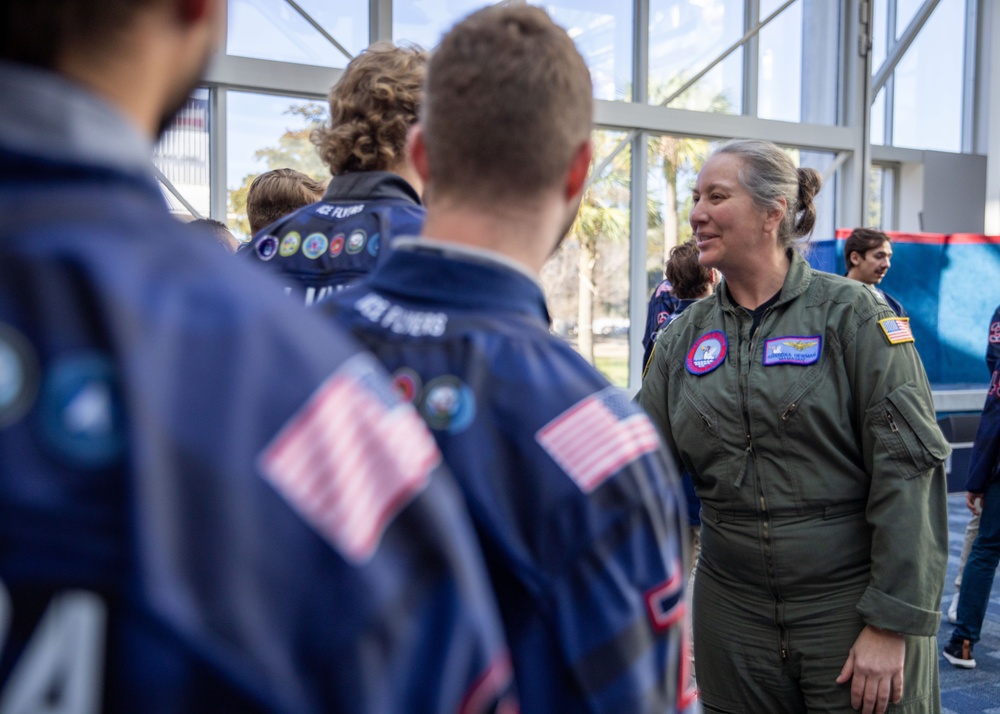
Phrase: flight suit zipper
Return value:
(762, 500)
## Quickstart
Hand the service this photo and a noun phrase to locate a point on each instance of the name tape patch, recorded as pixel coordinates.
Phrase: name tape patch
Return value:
(793, 349)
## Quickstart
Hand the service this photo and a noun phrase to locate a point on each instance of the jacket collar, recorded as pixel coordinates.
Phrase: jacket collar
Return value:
(436, 273)
(44, 114)
(370, 186)
(797, 281)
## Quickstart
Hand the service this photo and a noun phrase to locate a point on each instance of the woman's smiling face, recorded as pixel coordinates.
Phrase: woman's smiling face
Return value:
(727, 225)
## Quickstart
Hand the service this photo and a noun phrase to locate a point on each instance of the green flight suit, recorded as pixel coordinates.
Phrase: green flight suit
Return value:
(814, 449)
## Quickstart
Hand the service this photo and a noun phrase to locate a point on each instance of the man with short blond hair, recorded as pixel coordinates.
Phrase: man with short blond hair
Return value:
(575, 501)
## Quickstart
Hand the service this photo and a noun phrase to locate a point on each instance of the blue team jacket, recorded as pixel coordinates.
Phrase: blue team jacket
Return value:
(573, 498)
(984, 461)
(326, 246)
(181, 491)
(662, 304)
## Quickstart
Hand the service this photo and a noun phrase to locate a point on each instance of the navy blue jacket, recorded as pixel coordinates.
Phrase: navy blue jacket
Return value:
(574, 500)
(993, 342)
(984, 461)
(326, 246)
(662, 304)
(186, 521)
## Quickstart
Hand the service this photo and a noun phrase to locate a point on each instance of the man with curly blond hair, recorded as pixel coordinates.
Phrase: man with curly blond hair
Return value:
(374, 194)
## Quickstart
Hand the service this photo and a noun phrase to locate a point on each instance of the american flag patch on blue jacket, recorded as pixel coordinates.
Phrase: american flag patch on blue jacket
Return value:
(351, 459)
(597, 436)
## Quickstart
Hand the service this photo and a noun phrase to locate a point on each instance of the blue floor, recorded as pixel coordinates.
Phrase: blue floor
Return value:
(974, 691)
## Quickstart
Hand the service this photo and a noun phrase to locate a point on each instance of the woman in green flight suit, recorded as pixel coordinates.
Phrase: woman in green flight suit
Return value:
(801, 408)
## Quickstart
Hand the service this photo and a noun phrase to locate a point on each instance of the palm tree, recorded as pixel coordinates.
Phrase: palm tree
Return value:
(674, 154)
(603, 216)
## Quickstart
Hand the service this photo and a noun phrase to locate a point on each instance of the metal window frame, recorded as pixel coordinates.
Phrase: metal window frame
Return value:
(849, 140)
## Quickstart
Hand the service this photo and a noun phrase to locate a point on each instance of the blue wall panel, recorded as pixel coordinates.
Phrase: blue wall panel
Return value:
(950, 286)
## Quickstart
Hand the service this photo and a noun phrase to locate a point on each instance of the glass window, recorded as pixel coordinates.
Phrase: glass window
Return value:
(880, 32)
(685, 36)
(881, 188)
(602, 32)
(267, 132)
(876, 131)
(587, 280)
(798, 81)
(927, 111)
(182, 157)
(826, 199)
(425, 21)
(674, 163)
(274, 30)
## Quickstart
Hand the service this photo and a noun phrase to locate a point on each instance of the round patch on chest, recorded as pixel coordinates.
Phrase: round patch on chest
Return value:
(707, 353)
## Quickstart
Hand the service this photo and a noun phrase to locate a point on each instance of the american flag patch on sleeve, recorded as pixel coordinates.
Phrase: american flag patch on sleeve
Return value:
(897, 330)
(597, 436)
(351, 458)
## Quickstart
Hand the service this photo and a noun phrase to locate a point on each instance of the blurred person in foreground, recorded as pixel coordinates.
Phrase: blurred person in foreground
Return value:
(575, 501)
(868, 257)
(209, 500)
(374, 194)
(799, 405)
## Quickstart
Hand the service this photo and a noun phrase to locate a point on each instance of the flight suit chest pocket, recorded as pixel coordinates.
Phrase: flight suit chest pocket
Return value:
(905, 425)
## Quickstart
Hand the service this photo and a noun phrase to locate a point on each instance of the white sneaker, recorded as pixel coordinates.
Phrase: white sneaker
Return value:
(953, 609)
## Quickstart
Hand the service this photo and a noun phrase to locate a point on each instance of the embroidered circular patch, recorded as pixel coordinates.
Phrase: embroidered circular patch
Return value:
(373, 245)
(448, 404)
(18, 375)
(707, 353)
(80, 411)
(267, 247)
(290, 244)
(406, 382)
(314, 246)
(337, 245)
(356, 242)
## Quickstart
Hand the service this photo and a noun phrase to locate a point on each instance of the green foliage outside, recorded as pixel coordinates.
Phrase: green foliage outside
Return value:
(615, 368)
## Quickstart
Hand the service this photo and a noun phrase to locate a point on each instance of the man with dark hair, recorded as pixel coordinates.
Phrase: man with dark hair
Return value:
(210, 501)
(274, 194)
(575, 501)
(374, 194)
(867, 257)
